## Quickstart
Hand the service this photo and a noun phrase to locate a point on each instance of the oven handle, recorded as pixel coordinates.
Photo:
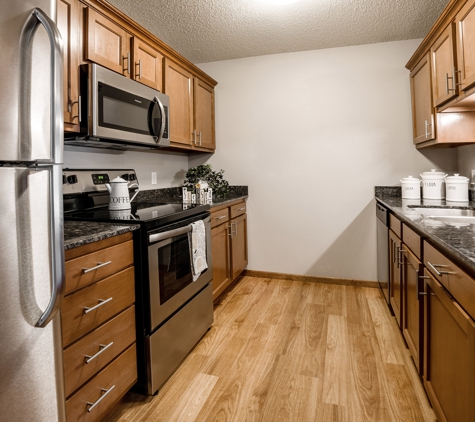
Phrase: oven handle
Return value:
(175, 232)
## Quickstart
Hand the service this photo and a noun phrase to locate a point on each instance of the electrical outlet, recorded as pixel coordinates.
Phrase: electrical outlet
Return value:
(154, 177)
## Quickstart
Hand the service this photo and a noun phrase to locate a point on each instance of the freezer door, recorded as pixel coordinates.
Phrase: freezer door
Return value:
(31, 375)
(31, 121)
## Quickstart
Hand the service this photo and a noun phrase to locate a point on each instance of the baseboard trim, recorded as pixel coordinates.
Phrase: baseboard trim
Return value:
(311, 278)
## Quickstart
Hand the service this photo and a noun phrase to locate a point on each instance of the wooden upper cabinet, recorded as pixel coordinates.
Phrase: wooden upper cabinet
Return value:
(147, 65)
(179, 87)
(68, 25)
(204, 115)
(106, 43)
(422, 107)
(465, 25)
(444, 82)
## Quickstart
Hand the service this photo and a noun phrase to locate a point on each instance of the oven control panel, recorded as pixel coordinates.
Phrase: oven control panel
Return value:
(77, 181)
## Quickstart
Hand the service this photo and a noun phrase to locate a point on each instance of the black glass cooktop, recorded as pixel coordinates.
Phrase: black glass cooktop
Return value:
(143, 213)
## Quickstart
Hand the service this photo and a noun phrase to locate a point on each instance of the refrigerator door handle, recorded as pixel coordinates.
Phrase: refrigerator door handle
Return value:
(36, 18)
(58, 273)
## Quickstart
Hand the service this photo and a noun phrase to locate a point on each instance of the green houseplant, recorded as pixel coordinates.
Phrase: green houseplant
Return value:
(204, 173)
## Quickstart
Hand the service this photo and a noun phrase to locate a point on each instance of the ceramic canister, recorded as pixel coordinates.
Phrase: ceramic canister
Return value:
(433, 184)
(456, 188)
(410, 188)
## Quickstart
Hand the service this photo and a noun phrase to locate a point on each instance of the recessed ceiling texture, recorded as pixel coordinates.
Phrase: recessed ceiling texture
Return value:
(212, 30)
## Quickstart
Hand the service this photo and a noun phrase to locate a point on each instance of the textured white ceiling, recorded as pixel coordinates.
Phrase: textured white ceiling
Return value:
(212, 30)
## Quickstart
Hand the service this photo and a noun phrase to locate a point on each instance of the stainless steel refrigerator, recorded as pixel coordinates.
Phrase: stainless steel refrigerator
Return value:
(31, 215)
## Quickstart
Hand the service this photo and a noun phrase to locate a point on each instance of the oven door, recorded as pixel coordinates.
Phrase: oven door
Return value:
(170, 278)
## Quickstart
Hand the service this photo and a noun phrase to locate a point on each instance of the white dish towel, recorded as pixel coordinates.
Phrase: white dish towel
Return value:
(197, 240)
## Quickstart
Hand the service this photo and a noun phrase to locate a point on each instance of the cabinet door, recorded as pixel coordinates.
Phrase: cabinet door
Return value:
(107, 43)
(238, 245)
(221, 259)
(465, 22)
(443, 67)
(423, 121)
(179, 87)
(68, 25)
(412, 305)
(449, 364)
(395, 285)
(147, 64)
(204, 115)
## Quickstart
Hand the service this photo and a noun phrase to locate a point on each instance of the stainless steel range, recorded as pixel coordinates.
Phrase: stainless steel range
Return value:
(172, 311)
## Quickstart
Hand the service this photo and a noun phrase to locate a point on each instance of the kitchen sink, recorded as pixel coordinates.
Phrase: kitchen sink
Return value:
(445, 212)
(454, 220)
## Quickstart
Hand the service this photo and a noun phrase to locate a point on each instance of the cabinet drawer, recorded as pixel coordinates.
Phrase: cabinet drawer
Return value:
(237, 209)
(108, 386)
(76, 322)
(395, 225)
(114, 337)
(412, 240)
(460, 285)
(219, 217)
(120, 256)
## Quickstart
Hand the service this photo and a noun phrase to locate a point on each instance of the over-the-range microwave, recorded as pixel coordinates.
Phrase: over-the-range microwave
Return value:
(119, 113)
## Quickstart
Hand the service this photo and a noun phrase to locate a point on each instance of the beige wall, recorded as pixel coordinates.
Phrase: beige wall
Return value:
(312, 133)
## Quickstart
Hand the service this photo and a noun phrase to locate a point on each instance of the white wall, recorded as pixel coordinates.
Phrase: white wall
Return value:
(312, 133)
(170, 167)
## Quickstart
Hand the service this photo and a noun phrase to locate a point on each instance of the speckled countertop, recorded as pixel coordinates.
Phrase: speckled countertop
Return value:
(457, 242)
(79, 233)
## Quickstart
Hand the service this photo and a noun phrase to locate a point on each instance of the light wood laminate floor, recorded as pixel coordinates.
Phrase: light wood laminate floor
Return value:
(289, 351)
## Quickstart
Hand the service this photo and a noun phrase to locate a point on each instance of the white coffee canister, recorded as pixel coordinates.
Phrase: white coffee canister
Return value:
(410, 188)
(433, 184)
(456, 188)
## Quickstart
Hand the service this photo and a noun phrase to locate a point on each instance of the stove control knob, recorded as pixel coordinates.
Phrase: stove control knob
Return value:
(132, 177)
(125, 177)
(72, 179)
(65, 180)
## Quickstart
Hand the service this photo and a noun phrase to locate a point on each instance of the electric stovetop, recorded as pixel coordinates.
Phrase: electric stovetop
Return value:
(148, 214)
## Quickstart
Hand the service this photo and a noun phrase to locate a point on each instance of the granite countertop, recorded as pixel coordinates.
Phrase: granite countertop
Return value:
(455, 241)
(79, 233)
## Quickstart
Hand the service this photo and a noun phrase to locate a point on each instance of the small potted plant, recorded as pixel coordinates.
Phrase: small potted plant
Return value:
(203, 177)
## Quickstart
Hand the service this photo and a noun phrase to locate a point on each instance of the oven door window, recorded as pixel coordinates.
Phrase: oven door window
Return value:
(174, 267)
(124, 111)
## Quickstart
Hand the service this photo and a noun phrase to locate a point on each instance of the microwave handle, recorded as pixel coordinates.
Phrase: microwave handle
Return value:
(162, 113)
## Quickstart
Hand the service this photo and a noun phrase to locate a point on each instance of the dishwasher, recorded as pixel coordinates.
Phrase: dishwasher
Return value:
(382, 230)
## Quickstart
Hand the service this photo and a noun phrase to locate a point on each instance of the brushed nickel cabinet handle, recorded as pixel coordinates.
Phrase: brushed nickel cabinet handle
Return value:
(126, 58)
(230, 231)
(103, 347)
(140, 68)
(439, 273)
(106, 392)
(241, 209)
(99, 265)
(220, 218)
(101, 303)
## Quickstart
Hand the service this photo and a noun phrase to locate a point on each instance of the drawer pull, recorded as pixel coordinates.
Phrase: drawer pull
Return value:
(241, 209)
(220, 218)
(99, 265)
(439, 273)
(101, 302)
(102, 348)
(106, 392)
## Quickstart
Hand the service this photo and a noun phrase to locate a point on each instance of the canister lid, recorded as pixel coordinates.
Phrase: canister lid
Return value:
(433, 174)
(410, 179)
(456, 178)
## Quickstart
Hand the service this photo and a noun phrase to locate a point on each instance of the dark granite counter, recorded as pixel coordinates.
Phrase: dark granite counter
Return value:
(456, 241)
(79, 233)
(174, 195)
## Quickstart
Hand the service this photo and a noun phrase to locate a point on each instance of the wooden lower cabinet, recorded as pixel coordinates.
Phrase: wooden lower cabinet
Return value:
(449, 358)
(98, 327)
(413, 305)
(229, 244)
(395, 280)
